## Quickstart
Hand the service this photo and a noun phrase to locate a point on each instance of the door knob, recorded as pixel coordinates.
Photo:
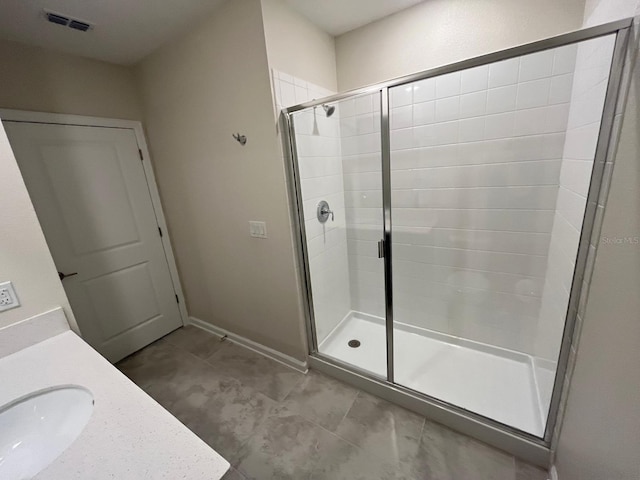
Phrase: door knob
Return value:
(65, 275)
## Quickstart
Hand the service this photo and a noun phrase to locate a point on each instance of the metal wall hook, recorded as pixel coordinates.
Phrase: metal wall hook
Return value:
(242, 139)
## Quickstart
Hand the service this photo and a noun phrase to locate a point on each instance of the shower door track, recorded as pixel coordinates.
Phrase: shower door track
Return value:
(517, 442)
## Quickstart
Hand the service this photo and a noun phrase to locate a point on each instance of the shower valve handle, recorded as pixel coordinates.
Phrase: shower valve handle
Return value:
(324, 211)
(327, 212)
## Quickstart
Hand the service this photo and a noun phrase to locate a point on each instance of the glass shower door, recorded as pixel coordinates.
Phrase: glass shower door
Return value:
(490, 170)
(339, 186)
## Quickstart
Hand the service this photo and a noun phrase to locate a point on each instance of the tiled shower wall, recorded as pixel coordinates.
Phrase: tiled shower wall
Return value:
(320, 167)
(362, 166)
(476, 160)
(479, 164)
(587, 99)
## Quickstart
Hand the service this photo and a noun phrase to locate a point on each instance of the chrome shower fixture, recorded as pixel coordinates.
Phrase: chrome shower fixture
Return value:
(328, 109)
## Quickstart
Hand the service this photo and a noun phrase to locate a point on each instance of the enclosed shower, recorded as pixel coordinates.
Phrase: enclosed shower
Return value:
(444, 222)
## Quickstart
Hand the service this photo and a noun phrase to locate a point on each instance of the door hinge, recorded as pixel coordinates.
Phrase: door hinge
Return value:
(177, 299)
(381, 249)
(160, 231)
(140, 152)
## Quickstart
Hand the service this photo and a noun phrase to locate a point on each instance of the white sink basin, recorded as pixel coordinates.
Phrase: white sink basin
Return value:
(37, 428)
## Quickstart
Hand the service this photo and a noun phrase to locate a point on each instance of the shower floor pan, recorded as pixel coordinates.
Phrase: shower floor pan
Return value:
(490, 381)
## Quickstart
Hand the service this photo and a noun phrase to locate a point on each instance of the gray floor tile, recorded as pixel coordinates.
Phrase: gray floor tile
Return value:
(230, 402)
(195, 340)
(289, 446)
(321, 399)
(159, 369)
(447, 455)
(340, 460)
(219, 409)
(389, 432)
(223, 414)
(524, 471)
(285, 446)
(233, 474)
(256, 371)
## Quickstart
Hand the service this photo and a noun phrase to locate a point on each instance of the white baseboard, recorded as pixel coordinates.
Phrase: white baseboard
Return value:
(251, 345)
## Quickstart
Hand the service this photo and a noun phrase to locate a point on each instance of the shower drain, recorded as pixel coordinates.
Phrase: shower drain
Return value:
(354, 343)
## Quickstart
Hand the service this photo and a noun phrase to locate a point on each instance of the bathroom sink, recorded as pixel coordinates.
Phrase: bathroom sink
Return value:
(37, 428)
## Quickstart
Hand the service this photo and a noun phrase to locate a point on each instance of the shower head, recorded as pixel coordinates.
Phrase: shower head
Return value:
(329, 109)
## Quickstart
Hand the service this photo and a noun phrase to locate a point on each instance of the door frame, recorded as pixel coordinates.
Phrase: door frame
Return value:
(537, 450)
(23, 116)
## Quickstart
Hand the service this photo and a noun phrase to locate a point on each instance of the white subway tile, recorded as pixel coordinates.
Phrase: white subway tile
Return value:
(286, 77)
(502, 99)
(500, 125)
(363, 181)
(560, 90)
(564, 59)
(571, 206)
(302, 94)
(347, 108)
(474, 79)
(403, 138)
(448, 85)
(581, 142)
(536, 121)
(347, 126)
(303, 122)
(424, 113)
(364, 124)
(447, 109)
(369, 162)
(401, 117)
(424, 90)
(534, 93)
(473, 104)
(364, 104)
(445, 133)
(400, 96)
(424, 135)
(575, 175)
(557, 117)
(536, 65)
(288, 92)
(504, 72)
(471, 129)
(500, 220)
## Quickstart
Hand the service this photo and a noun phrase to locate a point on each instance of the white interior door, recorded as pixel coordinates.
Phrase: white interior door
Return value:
(90, 192)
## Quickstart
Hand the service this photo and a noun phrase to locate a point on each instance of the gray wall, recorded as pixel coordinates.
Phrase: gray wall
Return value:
(438, 32)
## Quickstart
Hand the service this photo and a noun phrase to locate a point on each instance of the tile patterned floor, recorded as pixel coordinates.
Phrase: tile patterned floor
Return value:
(272, 422)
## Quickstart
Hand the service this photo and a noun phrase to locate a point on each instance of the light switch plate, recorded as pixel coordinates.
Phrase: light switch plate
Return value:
(257, 229)
(8, 297)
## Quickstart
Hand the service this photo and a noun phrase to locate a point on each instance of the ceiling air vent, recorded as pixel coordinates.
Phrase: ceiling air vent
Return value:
(82, 26)
(67, 21)
(57, 19)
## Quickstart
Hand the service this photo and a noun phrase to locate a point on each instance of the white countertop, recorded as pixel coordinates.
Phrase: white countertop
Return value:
(129, 436)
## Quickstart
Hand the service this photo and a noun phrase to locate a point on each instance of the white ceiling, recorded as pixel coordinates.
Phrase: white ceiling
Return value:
(340, 16)
(127, 30)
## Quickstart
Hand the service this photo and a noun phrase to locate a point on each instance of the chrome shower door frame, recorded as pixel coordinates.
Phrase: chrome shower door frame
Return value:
(505, 437)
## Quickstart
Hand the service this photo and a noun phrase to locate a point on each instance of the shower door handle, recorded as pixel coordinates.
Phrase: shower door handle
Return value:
(380, 248)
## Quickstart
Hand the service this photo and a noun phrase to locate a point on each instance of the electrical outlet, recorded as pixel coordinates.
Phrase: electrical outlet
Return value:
(257, 229)
(8, 297)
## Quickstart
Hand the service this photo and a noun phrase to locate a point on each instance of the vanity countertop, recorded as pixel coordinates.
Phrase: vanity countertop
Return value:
(129, 436)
